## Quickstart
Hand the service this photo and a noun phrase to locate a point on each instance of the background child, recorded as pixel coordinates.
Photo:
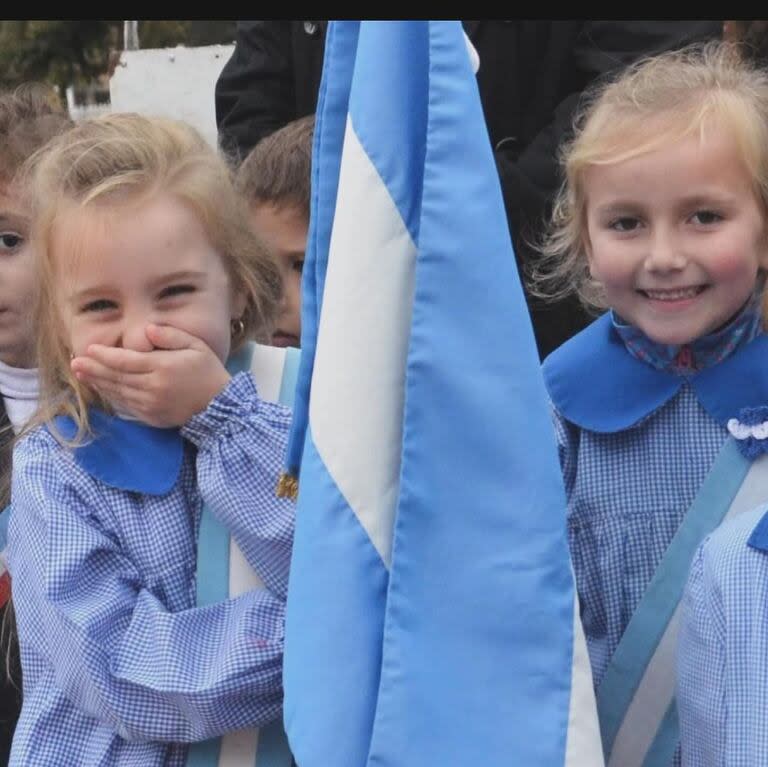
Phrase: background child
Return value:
(149, 277)
(29, 117)
(275, 181)
(662, 220)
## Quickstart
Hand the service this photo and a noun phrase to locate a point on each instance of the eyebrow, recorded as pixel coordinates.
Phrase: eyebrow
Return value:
(699, 198)
(189, 275)
(13, 219)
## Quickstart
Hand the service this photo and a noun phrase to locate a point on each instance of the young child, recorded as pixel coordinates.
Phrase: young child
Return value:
(661, 220)
(275, 181)
(149, 278)
(29, 117)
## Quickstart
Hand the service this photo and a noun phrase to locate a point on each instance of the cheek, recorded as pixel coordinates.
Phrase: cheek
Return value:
(80, 334)
(735, 267)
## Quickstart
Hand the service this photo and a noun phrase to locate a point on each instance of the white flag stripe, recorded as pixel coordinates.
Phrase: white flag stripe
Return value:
(238, 749)
(583, 747)
(267, 370)
(355, 411)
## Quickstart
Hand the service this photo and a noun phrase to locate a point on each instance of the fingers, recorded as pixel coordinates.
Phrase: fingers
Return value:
(117, 359)
(170, 338)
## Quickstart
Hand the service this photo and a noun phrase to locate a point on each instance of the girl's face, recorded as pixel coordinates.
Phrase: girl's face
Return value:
(18, 283)
(676, 236)
(121, 268)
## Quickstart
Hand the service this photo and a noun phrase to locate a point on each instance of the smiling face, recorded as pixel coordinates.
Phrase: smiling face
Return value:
(18, 283)
(122, 267)
(676, 236)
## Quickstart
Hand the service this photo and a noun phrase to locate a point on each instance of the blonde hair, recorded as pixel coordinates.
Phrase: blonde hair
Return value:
(652, 104)
(119, 159)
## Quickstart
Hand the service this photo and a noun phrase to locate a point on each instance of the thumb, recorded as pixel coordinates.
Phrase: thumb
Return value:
(170, 338)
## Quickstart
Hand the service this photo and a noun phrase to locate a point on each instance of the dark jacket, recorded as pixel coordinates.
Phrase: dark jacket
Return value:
(532, 74)
(10, 688)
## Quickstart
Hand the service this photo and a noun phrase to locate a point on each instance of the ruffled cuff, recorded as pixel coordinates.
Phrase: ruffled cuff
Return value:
(230, 410)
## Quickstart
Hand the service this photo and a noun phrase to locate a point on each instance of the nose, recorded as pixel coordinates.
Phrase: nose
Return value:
(133, 333)
(666, 253)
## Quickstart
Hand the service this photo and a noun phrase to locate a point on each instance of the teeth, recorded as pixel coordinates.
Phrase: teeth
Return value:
(673, 295)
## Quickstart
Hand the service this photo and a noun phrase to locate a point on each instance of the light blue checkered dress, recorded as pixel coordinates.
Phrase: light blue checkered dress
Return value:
(723, 651)
(120, 667)
(628, 491)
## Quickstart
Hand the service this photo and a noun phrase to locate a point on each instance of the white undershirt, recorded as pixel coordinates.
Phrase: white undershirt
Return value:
(20, 388)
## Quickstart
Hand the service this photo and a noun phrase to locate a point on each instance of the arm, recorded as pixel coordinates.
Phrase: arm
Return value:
(255, 90)
(241, 443)
(116, 652)
(701, 670)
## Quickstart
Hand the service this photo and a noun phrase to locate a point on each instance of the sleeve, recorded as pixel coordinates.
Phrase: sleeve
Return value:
(701, 691)
(255, 90)
(114, 649)
(241, 443)
(567, 438)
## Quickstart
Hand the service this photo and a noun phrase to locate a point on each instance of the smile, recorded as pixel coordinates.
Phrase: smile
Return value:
(677, 294)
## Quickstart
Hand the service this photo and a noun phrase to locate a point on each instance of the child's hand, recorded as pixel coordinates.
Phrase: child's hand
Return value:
(164, 387)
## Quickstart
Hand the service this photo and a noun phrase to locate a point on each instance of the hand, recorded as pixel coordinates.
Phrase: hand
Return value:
(164, 387)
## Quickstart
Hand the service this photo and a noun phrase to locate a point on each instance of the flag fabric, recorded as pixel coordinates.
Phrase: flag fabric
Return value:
(431, 610)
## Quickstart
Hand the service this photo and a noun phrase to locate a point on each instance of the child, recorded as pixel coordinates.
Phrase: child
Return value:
(275, 181)
(29, 117)
(661, 220)
(149, 277)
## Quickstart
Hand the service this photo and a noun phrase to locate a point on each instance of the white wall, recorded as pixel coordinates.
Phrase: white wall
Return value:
(171, 82)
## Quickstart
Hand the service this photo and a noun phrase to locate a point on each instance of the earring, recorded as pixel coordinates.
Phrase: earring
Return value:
(237, 327)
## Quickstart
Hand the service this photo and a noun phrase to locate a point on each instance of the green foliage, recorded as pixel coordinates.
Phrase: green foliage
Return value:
(66, 53)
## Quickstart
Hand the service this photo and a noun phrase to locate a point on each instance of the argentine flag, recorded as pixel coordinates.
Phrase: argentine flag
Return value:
(431, 610)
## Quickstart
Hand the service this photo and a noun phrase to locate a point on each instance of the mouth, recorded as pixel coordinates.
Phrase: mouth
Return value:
(674, 294)
(283, 339)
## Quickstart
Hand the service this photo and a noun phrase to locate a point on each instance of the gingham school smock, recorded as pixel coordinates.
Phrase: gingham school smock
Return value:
(722, 666)
(120, 666)
(629, 489)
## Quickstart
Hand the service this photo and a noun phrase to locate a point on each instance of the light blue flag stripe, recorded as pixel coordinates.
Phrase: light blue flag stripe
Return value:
(463, 654)
(480, 604)
(333, 100)
(334, 625)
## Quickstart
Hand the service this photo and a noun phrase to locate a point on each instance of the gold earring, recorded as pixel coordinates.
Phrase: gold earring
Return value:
(237, 327)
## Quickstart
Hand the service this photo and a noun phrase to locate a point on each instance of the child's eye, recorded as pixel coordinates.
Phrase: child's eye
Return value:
(297, 265)
(625, 224)
(706, 217)
(176, 290)
(10, 241)
(100, 305)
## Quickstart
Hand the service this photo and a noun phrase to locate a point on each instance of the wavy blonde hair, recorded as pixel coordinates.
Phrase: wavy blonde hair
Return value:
(120, 159)
(654, 103)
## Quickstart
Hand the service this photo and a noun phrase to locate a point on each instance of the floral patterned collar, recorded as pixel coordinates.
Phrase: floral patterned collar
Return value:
(698, 355)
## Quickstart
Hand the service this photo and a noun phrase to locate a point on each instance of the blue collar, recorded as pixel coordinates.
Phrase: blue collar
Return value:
(758, 538)
(595, 383)
(127, 455)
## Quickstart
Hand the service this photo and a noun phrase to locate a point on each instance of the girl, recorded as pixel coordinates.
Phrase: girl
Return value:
(661, 220)
(149, 279)
(29, 117)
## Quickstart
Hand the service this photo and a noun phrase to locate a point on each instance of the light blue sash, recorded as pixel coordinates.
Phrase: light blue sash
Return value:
(636, 705)
(275, 373)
